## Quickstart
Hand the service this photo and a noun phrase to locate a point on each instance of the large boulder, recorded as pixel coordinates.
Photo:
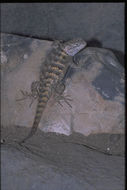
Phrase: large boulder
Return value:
(95, 85)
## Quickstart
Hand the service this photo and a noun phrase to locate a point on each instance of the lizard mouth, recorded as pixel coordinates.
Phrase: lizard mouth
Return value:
(74, 46)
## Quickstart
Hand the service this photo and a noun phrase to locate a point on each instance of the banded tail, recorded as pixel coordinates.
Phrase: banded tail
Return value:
(42, 102)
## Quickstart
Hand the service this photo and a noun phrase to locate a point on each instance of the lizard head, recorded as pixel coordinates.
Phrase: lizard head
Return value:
(74, 46)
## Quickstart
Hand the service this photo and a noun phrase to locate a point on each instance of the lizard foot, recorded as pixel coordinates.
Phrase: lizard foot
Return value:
(33, 94)
(65, 98)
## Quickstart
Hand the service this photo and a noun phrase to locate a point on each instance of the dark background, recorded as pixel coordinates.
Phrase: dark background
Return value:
(100, 24)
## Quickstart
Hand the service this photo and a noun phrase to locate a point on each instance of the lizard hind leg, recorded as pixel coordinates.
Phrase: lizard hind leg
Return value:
(60, 88)
(59, 97)
(33, 94)
(64, 98)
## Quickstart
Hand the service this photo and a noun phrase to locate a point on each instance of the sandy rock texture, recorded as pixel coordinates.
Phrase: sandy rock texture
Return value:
(95, 85)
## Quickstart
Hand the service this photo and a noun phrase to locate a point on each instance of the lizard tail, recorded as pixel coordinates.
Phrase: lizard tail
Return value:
(40, 108)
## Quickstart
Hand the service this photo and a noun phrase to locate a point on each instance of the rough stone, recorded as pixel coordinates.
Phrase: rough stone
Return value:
(59, 166)
(96, 88)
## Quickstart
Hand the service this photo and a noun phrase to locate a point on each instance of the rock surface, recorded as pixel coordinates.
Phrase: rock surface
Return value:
(59, 166)
(96, 88)
(77, 156)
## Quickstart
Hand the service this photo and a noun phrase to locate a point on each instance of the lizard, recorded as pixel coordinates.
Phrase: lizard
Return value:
(54, 70)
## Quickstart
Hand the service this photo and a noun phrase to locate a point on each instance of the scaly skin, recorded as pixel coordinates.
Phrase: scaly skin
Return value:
(55, 67)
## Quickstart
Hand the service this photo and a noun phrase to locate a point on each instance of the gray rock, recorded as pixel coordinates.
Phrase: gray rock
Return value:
(96, 87)
(59, 166)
